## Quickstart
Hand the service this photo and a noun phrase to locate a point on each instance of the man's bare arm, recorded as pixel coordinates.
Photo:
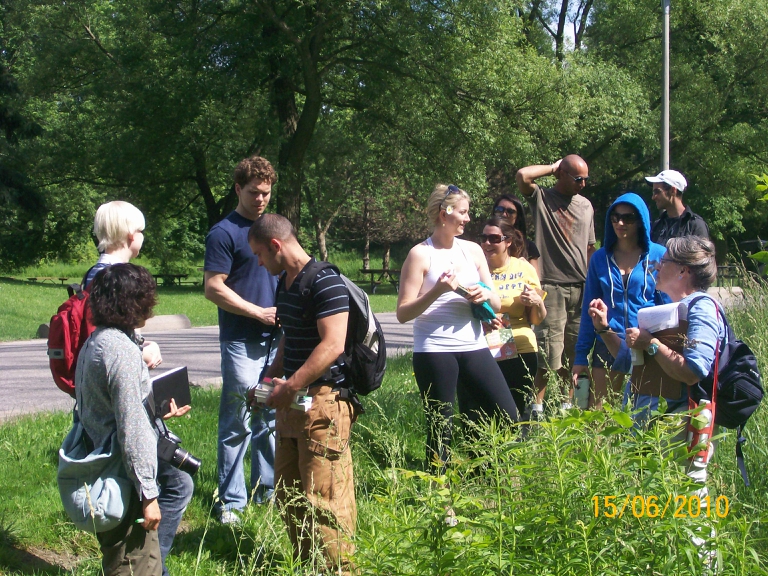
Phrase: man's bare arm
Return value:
(333, 333)
(227, 299)
(526, 176)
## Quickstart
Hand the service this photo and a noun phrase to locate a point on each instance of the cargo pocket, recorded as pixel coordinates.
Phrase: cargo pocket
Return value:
(329, 421)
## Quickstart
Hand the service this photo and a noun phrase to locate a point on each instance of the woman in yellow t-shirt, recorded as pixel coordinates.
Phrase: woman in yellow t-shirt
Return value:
(522, 304)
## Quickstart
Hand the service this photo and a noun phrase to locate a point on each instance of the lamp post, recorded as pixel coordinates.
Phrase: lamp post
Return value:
(665, 90)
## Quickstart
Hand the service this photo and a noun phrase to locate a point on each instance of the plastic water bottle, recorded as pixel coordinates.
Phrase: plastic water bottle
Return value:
(581, 391)
(700, 428)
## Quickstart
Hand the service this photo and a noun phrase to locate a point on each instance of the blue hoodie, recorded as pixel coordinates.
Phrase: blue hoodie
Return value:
(604, 280)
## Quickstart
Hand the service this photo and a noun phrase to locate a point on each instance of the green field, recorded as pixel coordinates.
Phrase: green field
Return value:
(24, 305)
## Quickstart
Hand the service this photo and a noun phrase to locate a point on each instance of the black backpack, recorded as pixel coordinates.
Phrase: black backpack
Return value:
(365, 354)
(739, 386)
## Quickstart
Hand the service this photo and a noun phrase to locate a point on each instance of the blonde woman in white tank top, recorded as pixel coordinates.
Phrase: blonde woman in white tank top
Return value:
(451, 356)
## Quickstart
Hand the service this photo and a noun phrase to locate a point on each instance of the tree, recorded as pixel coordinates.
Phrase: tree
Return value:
(718, 105)
(22, 209)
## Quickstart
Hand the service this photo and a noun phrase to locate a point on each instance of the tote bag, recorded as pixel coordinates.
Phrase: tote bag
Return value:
(94, 487)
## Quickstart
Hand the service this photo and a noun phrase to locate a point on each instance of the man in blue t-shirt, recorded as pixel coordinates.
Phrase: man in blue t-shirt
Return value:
(313, 455)
(245, 295)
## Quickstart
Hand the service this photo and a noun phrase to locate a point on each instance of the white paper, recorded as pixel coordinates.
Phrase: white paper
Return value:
(658, 318)
(301, 402)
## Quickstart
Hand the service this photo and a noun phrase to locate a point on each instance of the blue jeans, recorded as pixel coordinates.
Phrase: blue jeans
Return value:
(176, 489)
(643, 404)
(241, 366)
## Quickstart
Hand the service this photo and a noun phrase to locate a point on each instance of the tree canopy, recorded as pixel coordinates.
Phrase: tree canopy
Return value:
(362, 106)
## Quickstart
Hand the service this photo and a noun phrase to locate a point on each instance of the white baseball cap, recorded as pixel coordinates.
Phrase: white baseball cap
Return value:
(671, 177)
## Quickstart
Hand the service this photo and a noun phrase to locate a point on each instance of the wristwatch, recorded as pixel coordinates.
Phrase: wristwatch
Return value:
(653, 347)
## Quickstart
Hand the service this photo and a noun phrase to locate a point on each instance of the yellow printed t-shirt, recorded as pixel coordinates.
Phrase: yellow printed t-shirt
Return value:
(509, 282)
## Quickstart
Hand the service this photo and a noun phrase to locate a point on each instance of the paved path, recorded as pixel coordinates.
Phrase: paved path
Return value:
(26, 384)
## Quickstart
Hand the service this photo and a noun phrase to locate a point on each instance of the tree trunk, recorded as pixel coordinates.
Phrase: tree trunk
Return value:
(582, 19)
(367, 228)
(385, 259)
(298, 129)
(212, 208)
(560, 36)
(321, 245)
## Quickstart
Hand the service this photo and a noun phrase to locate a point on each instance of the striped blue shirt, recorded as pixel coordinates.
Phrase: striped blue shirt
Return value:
(298, 316)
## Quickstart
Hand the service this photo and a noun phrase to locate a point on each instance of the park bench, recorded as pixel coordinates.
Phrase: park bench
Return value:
(390, 274)
(170, 279)
(729, 275)
(51, 279)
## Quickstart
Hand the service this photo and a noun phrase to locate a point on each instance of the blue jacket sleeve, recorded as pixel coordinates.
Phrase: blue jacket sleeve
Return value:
(586, 330)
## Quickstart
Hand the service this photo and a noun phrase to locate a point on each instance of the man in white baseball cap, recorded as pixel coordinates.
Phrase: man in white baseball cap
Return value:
(675, 219)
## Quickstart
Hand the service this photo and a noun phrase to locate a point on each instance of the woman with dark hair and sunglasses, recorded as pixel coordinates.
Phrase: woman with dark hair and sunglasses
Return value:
(623, 275)
(439, 282)
(510, 208)
(112, 382)
(678, 364)
(522, 305)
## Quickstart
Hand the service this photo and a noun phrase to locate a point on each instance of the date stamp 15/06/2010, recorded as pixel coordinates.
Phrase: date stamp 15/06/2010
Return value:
(679, 506)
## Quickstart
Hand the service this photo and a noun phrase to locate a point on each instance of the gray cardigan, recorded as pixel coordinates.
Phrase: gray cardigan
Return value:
(111, 383)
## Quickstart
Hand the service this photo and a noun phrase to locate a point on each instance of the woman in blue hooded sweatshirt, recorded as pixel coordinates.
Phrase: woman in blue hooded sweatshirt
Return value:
(623, 274)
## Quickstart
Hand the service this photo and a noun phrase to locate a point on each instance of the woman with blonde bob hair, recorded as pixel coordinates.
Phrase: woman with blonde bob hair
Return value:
(440, 282)
(119, 229)
(115, 223)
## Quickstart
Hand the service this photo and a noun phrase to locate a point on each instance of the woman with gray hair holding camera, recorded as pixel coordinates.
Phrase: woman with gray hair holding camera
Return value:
(439, 283)
(112, 382)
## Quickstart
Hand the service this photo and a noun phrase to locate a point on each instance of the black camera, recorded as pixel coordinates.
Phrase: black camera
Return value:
(168, 449)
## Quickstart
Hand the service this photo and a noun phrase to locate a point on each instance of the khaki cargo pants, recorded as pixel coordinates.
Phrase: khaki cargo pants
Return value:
(314, 479)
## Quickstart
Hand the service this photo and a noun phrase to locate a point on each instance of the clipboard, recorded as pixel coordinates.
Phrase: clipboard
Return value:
(170, 384)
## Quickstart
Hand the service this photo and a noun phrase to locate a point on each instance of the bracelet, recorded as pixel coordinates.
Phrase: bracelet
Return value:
(604, 330)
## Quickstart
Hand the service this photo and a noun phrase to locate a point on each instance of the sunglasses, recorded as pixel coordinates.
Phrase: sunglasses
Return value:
(578, 179)
(451, 190)
(500, 210)
(492, 238)
(627, 217)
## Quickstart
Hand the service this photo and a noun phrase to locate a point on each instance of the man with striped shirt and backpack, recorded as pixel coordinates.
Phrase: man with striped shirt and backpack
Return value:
(312, 455)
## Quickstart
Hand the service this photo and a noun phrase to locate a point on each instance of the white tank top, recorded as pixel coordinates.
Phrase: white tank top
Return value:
(448, 325)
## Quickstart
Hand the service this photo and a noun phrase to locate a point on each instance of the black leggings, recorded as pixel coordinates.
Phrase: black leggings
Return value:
(477, 380)
(519, 373)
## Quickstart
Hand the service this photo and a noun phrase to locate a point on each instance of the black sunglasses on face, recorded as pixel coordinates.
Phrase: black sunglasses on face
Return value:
(627, 217)
(500, 210)
(492, 238)
(578, 179)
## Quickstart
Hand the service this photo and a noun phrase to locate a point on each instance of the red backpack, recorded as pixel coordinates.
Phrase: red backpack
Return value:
(69, 329)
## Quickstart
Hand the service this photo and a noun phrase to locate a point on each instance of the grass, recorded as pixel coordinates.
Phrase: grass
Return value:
(25, 305)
